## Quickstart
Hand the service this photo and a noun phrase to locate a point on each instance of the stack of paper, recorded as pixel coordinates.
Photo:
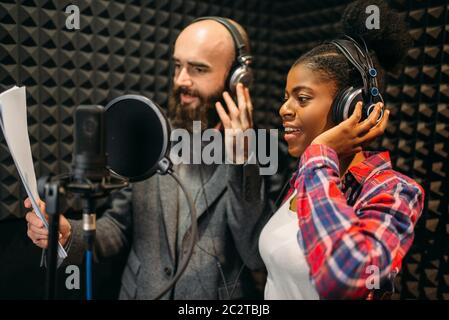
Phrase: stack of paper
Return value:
(13, 121)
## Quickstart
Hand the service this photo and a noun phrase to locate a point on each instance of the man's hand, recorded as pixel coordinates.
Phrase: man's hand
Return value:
(239, 119)
(348, 137)
(37, 231)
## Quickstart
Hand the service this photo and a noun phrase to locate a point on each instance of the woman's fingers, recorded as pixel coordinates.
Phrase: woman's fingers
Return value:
(371, 121)
(379, 129)
(384, 122)
(356, 114)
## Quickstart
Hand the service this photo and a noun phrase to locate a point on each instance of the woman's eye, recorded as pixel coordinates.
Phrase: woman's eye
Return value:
(303, 99)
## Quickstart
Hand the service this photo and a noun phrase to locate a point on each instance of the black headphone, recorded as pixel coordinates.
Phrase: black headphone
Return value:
(346, 100)
(240, 70)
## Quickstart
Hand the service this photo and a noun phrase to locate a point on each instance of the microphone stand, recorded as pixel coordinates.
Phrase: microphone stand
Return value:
(49, 190)
(89, 228)
(52, 209)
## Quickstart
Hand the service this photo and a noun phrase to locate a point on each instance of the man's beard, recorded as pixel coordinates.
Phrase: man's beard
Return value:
(182, 117)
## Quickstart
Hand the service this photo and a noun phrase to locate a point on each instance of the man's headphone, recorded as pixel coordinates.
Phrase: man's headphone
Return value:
(346, 100)
(240, 70)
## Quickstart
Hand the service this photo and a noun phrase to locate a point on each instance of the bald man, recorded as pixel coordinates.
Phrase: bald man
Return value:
(203, 55)
(151, 219)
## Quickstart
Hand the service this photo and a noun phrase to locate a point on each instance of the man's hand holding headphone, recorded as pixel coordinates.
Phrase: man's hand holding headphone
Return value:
(236, 122)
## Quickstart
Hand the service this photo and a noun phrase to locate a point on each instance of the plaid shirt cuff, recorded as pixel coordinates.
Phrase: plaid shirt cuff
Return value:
(319, 155)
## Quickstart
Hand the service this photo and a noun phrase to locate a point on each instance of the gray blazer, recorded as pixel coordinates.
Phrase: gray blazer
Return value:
(143, 218)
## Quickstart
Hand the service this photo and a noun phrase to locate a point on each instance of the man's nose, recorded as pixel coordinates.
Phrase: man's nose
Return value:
(183, 79)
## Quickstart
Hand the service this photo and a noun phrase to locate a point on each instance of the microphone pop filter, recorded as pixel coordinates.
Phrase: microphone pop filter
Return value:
(137, 137)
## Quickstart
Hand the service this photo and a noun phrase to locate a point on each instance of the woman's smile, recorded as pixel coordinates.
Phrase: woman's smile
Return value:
(291, 133)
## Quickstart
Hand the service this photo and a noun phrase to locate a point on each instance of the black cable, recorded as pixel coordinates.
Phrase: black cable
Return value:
(193, 233)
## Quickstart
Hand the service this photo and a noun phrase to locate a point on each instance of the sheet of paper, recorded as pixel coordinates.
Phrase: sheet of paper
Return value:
(13, 122)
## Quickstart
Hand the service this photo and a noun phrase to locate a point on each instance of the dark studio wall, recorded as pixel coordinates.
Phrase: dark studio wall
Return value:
(125, 47)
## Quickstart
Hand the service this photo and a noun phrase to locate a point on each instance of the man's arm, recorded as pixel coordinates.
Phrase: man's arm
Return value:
(113, 230)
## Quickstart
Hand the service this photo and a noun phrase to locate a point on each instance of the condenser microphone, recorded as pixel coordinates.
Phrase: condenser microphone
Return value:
(89, 156)
(90, 176)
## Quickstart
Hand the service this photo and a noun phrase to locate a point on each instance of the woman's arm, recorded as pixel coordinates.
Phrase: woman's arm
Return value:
(345, 244)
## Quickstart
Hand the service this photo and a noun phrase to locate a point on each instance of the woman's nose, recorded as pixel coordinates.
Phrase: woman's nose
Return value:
(286, 112)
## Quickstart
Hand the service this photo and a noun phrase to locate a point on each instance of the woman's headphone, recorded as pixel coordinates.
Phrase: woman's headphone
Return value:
(346, 100)
(240, 70)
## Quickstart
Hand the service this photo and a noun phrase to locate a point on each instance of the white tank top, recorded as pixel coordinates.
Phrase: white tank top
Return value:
(288, 271)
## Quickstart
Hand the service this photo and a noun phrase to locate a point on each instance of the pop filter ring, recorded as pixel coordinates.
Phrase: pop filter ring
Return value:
(163, 163)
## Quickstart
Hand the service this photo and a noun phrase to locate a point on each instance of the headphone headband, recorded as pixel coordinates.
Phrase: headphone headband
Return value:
(345, 47)
(360, 58)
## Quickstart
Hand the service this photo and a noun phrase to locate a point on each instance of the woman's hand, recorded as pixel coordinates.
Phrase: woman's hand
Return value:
(348, 137)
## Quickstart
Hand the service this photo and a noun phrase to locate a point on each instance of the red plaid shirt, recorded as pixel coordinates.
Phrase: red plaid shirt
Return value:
(351, 227)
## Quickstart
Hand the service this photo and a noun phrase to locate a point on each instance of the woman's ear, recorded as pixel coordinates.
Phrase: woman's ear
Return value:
(329, 122)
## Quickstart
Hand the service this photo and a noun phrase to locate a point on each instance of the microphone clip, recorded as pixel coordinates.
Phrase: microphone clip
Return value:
(164, 166)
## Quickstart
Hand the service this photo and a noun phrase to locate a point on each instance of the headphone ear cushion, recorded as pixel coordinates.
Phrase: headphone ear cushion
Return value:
(338, 105)
(344, 104)
(230, 85)
(241, 74)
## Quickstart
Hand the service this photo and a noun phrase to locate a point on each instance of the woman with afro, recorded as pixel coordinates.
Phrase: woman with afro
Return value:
(348, 218)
